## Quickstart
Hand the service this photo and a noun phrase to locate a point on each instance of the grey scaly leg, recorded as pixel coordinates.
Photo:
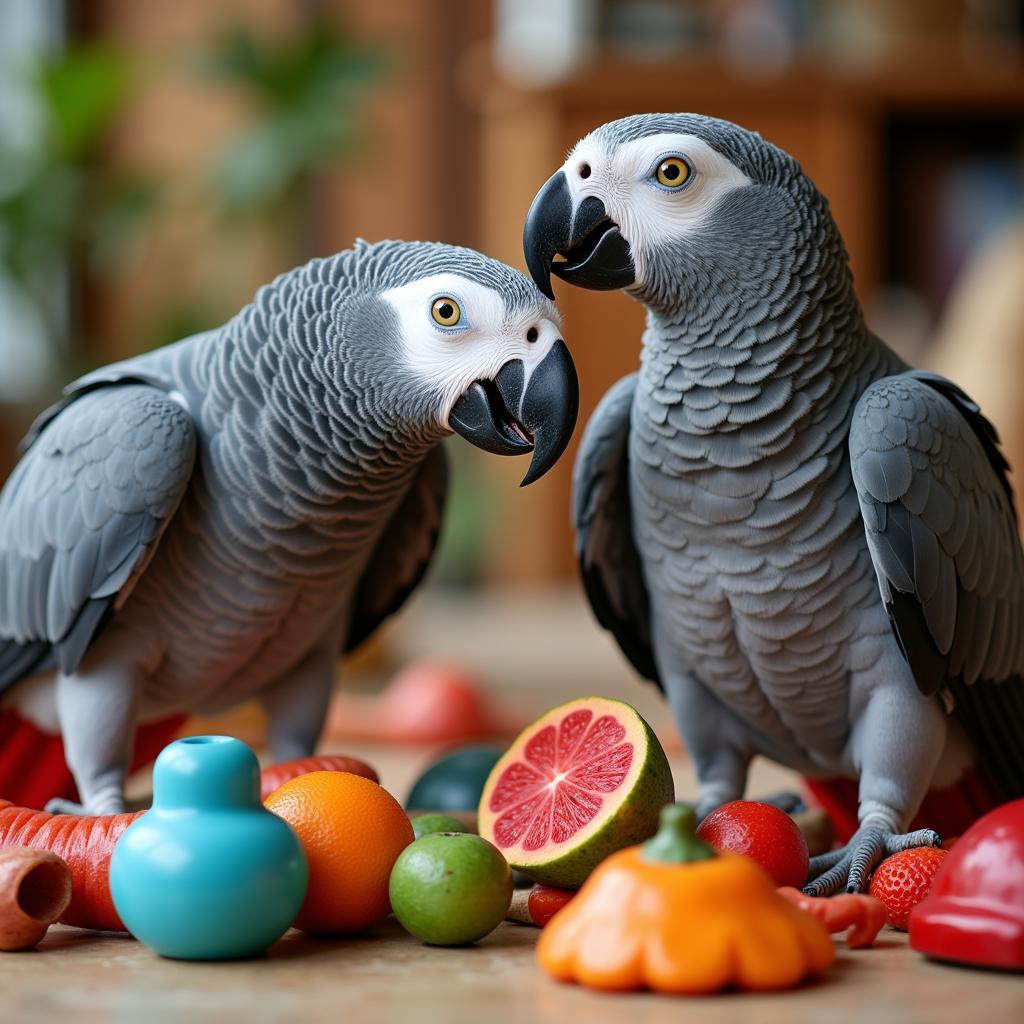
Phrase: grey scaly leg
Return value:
(714, 738)
(296, 705)
(98, 715)
(897, 741)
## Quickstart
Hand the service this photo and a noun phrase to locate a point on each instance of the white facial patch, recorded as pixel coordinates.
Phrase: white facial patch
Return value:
(485, 339)
(649, 214)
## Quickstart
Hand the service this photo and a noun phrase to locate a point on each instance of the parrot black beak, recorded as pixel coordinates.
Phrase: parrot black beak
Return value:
(511, 414)
(595, 255)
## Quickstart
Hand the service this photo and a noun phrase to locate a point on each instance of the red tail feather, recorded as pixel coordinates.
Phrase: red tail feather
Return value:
(949, 811)
(32, 766)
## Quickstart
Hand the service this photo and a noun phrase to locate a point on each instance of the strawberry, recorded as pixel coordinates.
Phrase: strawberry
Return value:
(764, 834)
(903, 880)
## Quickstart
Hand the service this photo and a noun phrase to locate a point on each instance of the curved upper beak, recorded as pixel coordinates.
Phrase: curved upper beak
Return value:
(517, 412)
(595, 253)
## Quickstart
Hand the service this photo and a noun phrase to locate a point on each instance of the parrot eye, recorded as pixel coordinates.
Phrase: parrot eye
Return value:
(445, 311)
(672, 173)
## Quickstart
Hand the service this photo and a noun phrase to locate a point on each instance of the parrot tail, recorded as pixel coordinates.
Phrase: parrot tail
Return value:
(950, 811)
(32, 766)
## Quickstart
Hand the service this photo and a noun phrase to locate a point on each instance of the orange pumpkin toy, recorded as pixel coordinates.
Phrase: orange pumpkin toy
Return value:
(674, 916)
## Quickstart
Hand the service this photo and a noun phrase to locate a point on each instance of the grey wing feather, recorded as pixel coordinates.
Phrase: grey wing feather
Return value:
(943, 535)
(404, 552)
(609, 562)
(82, 511)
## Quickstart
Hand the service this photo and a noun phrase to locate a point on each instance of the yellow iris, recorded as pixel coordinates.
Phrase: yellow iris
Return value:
(446, 311)
(672, 172)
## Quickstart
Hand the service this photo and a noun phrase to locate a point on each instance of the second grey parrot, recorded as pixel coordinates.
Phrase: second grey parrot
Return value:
(811, 547)
(219, 519)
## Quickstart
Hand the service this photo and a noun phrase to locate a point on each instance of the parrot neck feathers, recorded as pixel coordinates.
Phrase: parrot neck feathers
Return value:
(757, 345)
(294, 413)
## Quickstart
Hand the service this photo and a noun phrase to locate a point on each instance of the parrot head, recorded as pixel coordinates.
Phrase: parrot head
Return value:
(666, 205)
(472, 348)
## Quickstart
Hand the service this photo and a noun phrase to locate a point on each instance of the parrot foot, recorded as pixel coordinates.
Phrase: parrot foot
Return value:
(789, 803)
(705, 807)
(850, 866)
(58, 805)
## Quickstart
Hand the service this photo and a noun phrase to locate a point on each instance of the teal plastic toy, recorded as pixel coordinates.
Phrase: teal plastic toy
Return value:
(208, 873)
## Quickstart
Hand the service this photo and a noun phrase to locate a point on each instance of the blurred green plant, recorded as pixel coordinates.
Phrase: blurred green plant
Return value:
(304, 93)
(60, 202)
(54, 203)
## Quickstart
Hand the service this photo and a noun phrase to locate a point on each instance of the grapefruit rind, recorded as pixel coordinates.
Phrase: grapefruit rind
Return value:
(629, 796)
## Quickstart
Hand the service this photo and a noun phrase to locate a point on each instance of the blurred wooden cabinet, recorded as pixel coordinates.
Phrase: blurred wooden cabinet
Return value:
(837, 124)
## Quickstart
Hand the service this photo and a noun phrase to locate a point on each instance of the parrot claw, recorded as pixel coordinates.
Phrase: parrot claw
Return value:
(705, 807)
(58, 805)
(850, 866)
(788, 803)
(111, 805)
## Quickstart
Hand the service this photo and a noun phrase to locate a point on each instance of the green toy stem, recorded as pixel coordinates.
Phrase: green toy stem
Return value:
(676, 841)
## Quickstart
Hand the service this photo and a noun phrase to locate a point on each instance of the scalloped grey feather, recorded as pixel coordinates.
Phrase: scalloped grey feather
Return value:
(219, 519)
(785, 527)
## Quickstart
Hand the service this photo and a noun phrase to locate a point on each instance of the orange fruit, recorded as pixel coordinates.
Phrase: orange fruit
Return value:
(353, 831)
(903, 880)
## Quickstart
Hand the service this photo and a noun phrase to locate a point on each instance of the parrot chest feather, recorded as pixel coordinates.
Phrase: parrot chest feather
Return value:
(247, 580)
(760, 580)
(768, 624)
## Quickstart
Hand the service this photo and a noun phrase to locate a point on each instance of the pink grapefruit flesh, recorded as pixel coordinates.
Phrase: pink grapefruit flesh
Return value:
(586, 779)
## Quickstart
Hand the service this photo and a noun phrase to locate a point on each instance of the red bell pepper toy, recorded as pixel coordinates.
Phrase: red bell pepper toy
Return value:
(974, 912)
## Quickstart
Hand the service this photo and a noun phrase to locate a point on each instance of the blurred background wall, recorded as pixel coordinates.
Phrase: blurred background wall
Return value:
(159, 161)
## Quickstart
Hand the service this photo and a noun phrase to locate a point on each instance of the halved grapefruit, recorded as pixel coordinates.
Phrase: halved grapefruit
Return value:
(586, 779)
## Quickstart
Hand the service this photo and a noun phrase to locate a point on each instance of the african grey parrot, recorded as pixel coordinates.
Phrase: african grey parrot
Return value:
(810, 546)
(219, 519)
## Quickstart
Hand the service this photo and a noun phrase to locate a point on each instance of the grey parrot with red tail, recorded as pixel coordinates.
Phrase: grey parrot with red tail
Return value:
(811, 547)
(218, 520)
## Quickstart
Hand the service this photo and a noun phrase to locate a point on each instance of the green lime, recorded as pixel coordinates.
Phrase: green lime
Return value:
(450, 888)
(425, 824)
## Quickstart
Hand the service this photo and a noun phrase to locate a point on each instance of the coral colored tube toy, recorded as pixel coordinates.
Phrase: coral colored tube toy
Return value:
(35, 889)
(86, 844)
(277, 775)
